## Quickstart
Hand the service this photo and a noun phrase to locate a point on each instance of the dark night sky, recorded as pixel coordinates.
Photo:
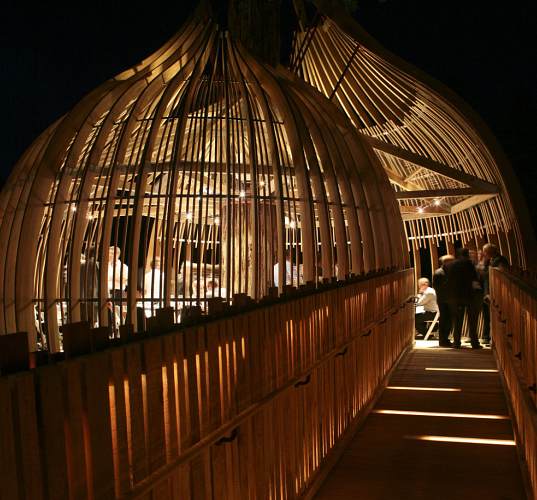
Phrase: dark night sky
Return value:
(51, 57)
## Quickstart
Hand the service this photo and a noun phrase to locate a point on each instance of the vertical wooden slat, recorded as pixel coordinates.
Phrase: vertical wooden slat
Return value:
(52, 412)
(191, 383)
(9, 475)
(153, 370)
(76, 437)
(120, 426)
(30, 460)
(96, 379)
(135, 407)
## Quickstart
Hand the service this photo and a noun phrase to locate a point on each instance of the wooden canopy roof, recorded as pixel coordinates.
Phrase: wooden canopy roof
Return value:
(451, 179)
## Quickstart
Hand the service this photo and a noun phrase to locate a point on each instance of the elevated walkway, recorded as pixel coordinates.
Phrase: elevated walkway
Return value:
(259, 402)
(438, 431)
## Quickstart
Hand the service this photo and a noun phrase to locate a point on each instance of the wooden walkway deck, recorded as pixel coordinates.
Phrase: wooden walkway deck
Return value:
(404, 455)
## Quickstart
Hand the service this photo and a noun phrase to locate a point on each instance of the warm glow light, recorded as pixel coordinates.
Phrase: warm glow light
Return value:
(292, 224)
(73, 208)
(437, 202)
(262, 183)
(145, 409)
(439, 389)
(188, 216)
(455, 439)
(442, 414)
(113, 429)
(484, 370)
(128, 425)
(242, 194)
(166, 411)
(217, 221)
(420, 210)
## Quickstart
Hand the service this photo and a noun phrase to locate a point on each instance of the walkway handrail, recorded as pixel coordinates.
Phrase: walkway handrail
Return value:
(514, 331)
(247, 404)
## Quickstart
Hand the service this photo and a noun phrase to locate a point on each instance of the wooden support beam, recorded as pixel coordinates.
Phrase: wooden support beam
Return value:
(471, 202)
(438, 193)
(400, 181)
(432, 165)
(413, 213)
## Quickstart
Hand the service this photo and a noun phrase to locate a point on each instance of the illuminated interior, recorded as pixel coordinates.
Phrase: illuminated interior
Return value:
(203, 175)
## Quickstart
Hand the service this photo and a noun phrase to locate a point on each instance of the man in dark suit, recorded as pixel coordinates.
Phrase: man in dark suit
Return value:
(462, 288)
(440, 286)
(491, 258)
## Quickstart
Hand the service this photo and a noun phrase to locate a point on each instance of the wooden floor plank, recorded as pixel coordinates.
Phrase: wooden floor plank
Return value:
(386, 461)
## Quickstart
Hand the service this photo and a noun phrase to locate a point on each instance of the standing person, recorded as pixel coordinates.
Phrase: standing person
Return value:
(461, 296)
(293, 274)
(426, 306)
(118, 275)
(440, 286)
(153, 281)
(491, 257)
(89, 290)
(494, 257)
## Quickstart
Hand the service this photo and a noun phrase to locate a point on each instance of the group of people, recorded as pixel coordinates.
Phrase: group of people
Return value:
(460, 285)
(150, 288)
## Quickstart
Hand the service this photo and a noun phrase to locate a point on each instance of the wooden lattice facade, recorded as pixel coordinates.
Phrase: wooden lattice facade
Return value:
(199, 174)
(452, 181)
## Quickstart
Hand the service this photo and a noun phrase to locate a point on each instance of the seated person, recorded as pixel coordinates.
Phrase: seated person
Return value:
(426, 306)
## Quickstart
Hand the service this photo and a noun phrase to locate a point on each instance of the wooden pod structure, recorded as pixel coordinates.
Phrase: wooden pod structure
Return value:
(206, 172)
(452, 181)
(199, 173)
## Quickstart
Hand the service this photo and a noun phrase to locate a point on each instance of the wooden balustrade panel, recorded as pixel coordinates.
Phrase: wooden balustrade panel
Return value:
(514, 331)
(246, 406)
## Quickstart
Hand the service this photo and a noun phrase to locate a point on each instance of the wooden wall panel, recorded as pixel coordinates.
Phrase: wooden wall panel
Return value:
(513, 329)
(8, 463)
(232, 408)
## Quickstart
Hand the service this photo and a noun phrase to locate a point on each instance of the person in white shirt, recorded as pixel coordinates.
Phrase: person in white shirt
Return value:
(426, 306)
(293, 275)
(118, 273)
(152, 280)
